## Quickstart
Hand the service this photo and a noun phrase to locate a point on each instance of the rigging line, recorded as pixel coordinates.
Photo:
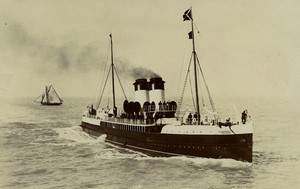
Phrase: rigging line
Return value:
(180, 75)
(43, 97)
(118, 64)
(102, 83)
(129, 89)
(201, 90)
(104, 71)
(49, 89)
(232, 131)
(117, 73)
(184, 85)
(38, 98)
(125, 81)
(192, 92)
(103, 88)
(194, 16)
(217, 68)
(198, 31)
(209, 95)
(109, 92)
(217, 116)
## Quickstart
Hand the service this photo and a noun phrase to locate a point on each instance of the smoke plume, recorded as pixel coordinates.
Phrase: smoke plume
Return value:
(46, 53)
(63, 56)
(134, 72)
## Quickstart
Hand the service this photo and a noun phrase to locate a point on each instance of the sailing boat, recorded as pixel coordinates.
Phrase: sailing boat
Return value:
(49, 97)
(154, 126)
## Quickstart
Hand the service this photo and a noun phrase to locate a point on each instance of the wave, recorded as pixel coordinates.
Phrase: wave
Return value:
(76, 135)
(202, 162)
(117, 154)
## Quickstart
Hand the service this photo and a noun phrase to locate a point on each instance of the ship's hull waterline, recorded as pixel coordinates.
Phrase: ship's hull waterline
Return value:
(51, 104)
(233, 146)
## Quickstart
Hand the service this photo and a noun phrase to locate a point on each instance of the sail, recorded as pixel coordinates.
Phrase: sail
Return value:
(40, 98)
(53, 96)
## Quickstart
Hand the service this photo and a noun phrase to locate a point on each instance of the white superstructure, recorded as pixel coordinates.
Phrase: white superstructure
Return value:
(157, 91)
(141, 91)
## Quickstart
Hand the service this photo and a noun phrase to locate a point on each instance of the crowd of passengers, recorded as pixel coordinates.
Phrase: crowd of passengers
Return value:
(191, 119)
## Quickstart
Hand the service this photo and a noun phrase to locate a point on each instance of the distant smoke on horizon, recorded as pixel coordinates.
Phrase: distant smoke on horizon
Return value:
(43, 53)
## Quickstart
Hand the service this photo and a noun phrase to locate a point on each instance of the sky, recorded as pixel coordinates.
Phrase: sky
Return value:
(246, 48)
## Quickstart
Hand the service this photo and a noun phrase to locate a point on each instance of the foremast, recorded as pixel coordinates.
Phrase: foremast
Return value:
(188, 17)
(112, 71)
(46, 93)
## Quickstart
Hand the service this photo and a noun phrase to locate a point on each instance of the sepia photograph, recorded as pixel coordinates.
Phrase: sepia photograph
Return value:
(143, 94)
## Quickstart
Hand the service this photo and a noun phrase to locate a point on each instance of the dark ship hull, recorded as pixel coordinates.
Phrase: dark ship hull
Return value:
(154, 143)
(50, 104)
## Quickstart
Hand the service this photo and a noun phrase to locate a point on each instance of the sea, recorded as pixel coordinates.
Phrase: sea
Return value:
(44, 147)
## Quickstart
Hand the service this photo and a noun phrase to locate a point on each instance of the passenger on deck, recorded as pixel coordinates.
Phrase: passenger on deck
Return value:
(213, 122)
(190, 119)
(92, 111)
(206, 119)
(244, 116)
(107, 110)
(115, 111)
(195, 119)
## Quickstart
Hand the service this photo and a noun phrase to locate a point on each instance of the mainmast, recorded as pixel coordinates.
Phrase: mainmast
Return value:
(46, 93)
(195, 70)
(188, 16)
(112, 71)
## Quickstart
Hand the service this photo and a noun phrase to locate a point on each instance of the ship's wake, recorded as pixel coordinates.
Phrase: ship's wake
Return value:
(200, 162)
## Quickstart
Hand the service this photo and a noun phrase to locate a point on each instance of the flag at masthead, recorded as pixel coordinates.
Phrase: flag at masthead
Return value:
(188, 15)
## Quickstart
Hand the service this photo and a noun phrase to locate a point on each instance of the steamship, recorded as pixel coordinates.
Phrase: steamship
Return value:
(156, 127)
